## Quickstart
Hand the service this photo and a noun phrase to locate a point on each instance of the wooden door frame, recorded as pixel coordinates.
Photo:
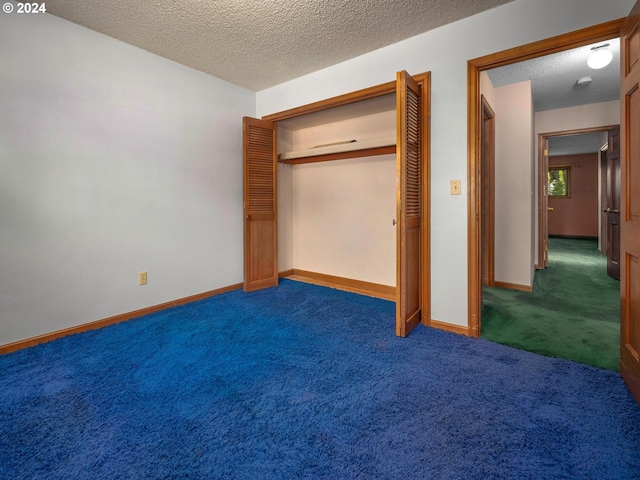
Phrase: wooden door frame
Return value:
(614, 199)
(488, 172)
(629, 222)
(543, 166)
(547, 46)
(424, 80)
(603, 168)
(543, 203)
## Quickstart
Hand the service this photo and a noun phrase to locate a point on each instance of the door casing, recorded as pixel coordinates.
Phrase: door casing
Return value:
(547, 46)
(424, 81)
(543, 167)
(488, 224)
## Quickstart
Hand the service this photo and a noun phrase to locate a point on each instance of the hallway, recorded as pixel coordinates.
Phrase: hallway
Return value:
(573, 311)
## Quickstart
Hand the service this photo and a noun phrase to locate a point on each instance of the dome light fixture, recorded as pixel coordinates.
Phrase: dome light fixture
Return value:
(584, 80)
(600, 58)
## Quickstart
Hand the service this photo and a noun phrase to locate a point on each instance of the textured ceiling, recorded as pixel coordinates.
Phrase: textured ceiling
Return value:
(554, 85)
(576, 144)
(260, 43)
(553, 78)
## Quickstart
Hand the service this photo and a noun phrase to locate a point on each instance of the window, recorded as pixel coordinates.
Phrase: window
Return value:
(558, 181)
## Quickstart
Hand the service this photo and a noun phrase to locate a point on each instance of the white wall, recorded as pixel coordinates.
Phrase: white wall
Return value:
(515, 178)
(583, 116)
(445, 52)
(343, 215)
(112, 161)
(487, 90)
(285, 217)
(336, 217)
(514, 183)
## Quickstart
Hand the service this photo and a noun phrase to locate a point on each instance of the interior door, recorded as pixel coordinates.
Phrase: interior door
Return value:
(409, 166)
(487, 225)
(604, 201)
(544, 182)
(630, 202)
(612, 208)
(260, 204)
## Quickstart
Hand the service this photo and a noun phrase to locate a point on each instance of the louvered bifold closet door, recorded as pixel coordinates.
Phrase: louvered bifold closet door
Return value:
(260, 205)
(409, 203)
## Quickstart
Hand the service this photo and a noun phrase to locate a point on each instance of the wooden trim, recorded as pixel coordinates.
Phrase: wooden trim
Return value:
(568, 181)
(629, 223)
(515, 286)
(542, 181)
(578, 131)
(425, 222)
(85, 327)
(542, 205)
(474, 200)
(578, 237)
(424, 80)
(450, 327)
(347, 98)
(286, 273)
(578, 38)
(365, 152)
(488, 175)
(350, 285)
(548, 46)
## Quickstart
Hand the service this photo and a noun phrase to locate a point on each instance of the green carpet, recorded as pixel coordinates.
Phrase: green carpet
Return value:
(573, 311)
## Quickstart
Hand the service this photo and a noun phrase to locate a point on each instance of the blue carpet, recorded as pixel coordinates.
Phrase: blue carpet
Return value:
(301, 381)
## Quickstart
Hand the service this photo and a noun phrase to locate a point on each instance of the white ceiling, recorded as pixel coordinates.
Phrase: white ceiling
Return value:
(260, 43)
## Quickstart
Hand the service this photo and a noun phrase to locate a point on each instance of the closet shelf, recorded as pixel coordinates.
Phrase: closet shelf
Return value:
(340, 151)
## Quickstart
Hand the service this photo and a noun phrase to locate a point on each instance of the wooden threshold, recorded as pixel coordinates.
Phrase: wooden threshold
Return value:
(85, 327)
(340, 283)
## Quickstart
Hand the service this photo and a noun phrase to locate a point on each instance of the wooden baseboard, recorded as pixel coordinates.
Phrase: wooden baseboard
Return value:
(366, 288)
(576, 237)
(514, 286)
(47, 337)
(449, 327)
(347, 284)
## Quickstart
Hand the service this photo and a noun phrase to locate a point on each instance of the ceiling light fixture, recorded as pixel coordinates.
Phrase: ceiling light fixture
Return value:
(584, 80)
(600, 58)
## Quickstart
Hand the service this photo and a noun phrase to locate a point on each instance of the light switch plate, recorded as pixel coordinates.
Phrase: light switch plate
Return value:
(456, 188)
